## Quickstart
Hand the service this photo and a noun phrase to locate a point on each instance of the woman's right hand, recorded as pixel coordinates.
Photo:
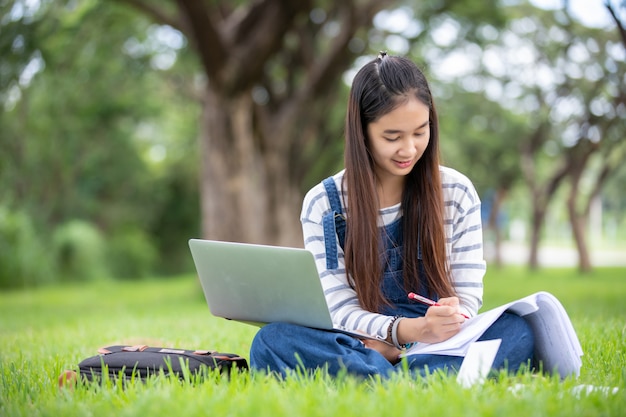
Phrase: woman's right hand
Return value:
(440, 323)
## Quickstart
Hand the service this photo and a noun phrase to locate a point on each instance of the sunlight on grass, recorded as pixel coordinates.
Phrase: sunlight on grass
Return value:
(46, 331)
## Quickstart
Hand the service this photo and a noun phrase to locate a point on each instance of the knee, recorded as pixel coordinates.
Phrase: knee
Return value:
(267, 348)
(278, 338)
(269, 335)
(515, 332)
(518, 341)
(518, 329)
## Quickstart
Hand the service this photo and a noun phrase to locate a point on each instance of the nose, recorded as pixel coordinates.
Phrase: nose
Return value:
(408, 148)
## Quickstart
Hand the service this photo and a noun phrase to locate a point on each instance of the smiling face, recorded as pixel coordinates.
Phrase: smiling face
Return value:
(397, 140)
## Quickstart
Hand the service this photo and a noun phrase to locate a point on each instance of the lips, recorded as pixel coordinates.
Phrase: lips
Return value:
(403, 164)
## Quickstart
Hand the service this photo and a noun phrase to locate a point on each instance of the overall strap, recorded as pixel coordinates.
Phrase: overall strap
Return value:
(334, 224)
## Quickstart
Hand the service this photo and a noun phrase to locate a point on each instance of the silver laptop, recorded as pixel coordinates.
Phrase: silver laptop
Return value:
(259, 284)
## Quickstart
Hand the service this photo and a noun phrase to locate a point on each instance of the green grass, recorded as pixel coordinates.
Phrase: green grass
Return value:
(45, 331)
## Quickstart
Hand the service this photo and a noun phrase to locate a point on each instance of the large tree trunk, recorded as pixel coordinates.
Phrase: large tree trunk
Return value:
(246, 192)
(284, 199)
(232, 181)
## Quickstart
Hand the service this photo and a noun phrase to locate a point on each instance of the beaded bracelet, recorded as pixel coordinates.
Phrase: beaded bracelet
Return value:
(390, 328)
(392, 334)
(392, 331)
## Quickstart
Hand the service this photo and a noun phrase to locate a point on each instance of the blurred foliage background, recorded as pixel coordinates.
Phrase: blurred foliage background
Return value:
(109, 151)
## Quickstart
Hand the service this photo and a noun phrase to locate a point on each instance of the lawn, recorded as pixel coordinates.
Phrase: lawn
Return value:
(45, 331)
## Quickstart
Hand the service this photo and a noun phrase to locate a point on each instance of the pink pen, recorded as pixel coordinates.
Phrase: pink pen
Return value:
(427, 301)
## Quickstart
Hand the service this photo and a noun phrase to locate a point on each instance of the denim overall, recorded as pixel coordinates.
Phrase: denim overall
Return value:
(279, 347)
(393, 287)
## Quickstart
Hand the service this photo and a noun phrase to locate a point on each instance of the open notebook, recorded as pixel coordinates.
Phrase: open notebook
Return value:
(259, 284)
(556, 343)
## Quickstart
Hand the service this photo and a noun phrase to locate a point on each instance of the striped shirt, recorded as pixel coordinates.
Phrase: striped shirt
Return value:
(464, 249)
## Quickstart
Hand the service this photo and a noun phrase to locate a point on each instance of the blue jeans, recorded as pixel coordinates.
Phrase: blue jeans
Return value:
(281, 347)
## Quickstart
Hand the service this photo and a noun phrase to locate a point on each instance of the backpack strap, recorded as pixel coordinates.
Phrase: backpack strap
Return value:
(334, 223)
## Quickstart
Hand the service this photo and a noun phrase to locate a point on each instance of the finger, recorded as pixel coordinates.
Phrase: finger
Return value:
(453, 320)
(443, 311)
(449, 301)
(368, 343)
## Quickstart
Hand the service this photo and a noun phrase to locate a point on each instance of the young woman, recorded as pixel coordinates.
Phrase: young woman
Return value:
(411, 225)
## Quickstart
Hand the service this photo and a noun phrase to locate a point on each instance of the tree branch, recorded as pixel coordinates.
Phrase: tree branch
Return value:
(202, 31)
(323, 74)
(157, 14)
(242, 23)
(259, 35)
(620, 26)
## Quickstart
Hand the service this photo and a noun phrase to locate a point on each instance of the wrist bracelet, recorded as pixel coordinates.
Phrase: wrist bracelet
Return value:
(391, 327)
(394, 333)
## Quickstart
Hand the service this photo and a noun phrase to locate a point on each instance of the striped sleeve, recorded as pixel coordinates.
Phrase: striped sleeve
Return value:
(341, 298)
(464, 239)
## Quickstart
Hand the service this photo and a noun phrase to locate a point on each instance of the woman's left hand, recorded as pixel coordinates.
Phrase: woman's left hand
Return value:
(388, 351)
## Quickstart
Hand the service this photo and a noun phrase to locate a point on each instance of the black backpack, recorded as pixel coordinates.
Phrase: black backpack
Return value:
(141, 362)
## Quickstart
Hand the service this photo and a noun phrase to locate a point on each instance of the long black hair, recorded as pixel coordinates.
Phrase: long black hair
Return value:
(378, 88)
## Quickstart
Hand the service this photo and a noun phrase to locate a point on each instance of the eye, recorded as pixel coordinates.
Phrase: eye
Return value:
(391, 139)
